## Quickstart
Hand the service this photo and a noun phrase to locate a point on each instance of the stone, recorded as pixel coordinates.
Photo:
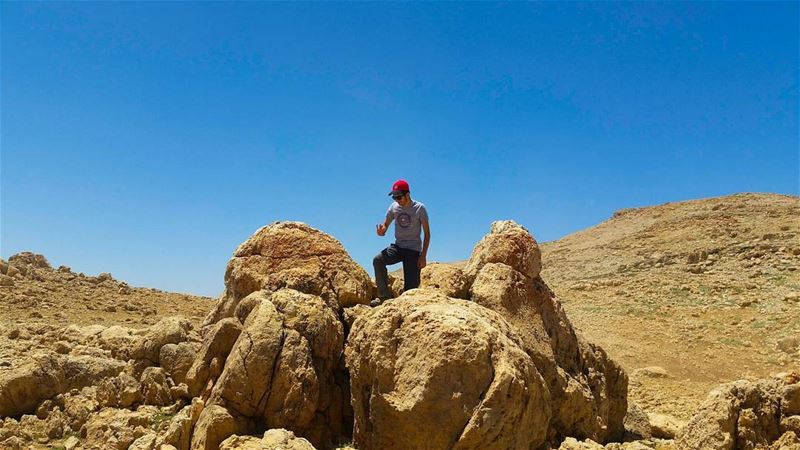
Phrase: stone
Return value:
(146, 442)
(14, 272)
(280, 373)
(104, 276)
(788, 344)
(29, 259)
(507, 243)
(297, 256)
(788, 441)
(432, 372)
(217, 345)
(664, 426)
(637, 424)
(179, 431)
(6, 281)
(118, 340)
(790, 423)
(154, 387)
(274, 439)
(447, 278)
(651, 372)
(170, 330)
(790, 398)
(117, 429)
(121, 391)
(584, 406)
(741, 414)
(23, 388)
(177, 359)
(214, 425)
(71, 443)
(571, 443)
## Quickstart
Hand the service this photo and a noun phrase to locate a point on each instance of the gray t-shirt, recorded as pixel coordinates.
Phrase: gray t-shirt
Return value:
(408, 224)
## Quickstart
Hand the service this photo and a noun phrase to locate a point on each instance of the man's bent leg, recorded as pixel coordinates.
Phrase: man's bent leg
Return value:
(388, 256)
(411, 269)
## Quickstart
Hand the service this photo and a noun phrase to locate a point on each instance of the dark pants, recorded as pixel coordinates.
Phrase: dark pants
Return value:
(393, 255)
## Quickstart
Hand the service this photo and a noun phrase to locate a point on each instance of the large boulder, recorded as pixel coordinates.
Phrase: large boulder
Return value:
(510, 244)
(280, 373)
(177, 359)
(207, 365)
(29, 259)
(432, 372)
(297, 256)
(214, 425)
(170, 330)
(447, 278)
(276, 439)
(741, 415)
(588, 390)
(22, 389)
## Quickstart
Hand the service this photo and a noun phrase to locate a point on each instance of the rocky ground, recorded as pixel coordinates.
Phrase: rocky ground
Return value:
(687, 295)
(38, 302)
(683, 296)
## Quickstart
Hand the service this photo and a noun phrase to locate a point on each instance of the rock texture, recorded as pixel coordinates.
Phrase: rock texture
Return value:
(297, 256)
(23, 389)
(448, 279)
(587, 390)
(744, 415)
(510, 244)
(280, 372)
(276, 439)
(430, 372)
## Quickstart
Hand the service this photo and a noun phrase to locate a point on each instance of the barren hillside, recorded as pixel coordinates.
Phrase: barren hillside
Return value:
(38, 301)
(707, 290)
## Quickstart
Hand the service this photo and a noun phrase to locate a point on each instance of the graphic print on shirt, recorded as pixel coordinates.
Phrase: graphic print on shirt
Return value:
(404, 220)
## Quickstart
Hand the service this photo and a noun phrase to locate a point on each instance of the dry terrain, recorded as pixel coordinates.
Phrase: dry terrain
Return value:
(684, 296)
(38, 302)
(707, 290)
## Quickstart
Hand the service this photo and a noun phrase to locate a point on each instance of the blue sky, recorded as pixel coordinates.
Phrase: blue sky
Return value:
(149, 139)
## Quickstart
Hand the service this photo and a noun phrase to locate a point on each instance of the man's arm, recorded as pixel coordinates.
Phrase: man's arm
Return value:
(425, 243)
(382, 227)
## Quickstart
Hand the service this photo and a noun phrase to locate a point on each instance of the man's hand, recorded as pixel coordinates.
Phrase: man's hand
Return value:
(421, 262)
(380, 229)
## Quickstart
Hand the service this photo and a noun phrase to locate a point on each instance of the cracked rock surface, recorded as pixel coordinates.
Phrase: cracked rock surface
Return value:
(428, 371)
(297, 256)
(280, 371)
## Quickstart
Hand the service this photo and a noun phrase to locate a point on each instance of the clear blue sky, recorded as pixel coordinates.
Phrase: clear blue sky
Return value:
(149, 139)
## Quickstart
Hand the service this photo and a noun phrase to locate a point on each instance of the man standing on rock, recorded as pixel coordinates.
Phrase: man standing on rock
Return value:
(411, 217)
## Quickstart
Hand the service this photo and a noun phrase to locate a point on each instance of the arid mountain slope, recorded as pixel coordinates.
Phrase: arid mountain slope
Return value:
(707, 290)
(37, 300)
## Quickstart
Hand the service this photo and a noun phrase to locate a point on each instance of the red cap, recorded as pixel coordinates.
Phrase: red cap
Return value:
(399, 187)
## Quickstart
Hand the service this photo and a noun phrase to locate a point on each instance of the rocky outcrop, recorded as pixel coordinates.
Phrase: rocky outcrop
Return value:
(280, 373)
(433, 372)
(208, 363)
(29, 259)
(448, 279)
(588, 390)
(296, 256)
(24, 388)
(117, 429)
(170, 330)
(507, 243)
(277, 439)
(745, 415)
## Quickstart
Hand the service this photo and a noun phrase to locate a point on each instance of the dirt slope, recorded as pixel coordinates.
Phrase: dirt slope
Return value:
(37, 300)
(705, 289)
